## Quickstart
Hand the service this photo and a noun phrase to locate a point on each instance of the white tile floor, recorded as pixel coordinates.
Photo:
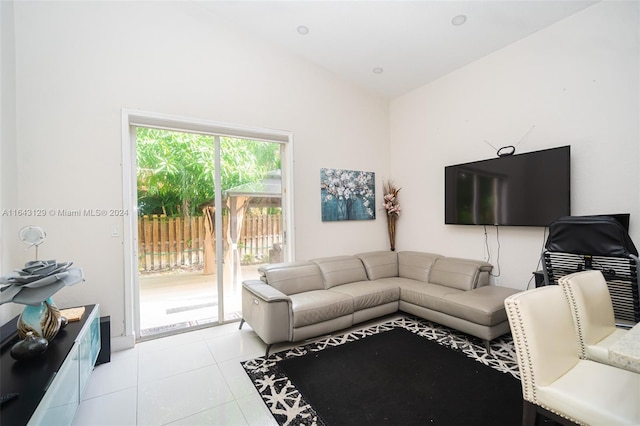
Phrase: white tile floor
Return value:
(193, 378)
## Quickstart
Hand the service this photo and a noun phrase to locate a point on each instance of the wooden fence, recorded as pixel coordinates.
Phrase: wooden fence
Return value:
(166, 243)
(261, 238)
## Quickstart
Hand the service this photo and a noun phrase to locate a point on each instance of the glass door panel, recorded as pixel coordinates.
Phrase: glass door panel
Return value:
(176, 266)
(189, 257)
(253, 232)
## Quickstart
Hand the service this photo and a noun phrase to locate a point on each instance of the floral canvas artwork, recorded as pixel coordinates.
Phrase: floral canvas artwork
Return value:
(347, 195)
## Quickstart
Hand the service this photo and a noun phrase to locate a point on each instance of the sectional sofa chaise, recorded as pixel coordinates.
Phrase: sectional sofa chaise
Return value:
(297, 301)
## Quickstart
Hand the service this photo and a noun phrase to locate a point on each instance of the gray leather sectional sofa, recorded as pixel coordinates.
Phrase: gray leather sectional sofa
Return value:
(297, 301)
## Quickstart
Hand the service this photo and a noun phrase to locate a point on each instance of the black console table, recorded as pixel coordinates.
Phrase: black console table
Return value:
(49, 387)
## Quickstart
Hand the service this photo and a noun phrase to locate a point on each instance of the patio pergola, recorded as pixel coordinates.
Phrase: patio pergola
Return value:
(266, 192)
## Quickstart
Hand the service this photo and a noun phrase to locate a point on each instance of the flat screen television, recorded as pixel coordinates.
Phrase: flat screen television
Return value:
(531, 189)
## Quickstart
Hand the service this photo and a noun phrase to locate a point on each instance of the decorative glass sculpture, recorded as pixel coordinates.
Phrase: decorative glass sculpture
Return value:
(42, 320)
(29, 348)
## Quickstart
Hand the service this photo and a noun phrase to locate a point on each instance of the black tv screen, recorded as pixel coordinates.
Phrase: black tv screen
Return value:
(531, 189)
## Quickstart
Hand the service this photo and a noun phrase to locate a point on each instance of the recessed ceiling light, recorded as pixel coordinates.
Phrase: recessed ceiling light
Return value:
(378, 70)
(459, 20)
(303, 30)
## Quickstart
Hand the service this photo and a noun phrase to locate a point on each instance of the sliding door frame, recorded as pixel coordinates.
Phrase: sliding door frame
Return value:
(137, 118)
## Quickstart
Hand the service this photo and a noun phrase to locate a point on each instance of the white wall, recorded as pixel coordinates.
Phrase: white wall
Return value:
(8, 168)
(79, 63)
(576, 81)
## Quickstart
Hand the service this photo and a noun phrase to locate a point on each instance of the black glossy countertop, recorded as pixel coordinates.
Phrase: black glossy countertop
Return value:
(31, 378)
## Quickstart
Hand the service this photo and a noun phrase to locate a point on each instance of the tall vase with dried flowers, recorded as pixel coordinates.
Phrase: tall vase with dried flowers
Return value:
(392, 207)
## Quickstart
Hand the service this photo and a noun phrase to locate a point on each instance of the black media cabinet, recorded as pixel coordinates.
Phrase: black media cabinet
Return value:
(50, 387)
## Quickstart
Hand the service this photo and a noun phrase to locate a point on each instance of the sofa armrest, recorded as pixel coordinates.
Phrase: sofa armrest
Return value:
(267, 310)
(264, 291)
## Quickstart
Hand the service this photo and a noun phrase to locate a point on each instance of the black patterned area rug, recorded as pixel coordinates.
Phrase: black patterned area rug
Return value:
(406, 371)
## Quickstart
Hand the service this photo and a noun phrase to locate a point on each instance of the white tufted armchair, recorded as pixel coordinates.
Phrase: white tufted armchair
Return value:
(554, 377)
(592, 312)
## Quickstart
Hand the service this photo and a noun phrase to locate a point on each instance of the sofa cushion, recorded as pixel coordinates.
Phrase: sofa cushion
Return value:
(457, 273)
(427, 295)
(367, 294)
(312, 307)
(292, 278)
(484, 305)
(379, 264)
(340, 270)
(416, 265)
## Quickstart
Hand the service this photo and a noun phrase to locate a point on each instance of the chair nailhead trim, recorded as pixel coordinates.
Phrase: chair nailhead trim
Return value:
(570, 294)
(524, 362)
(527, 375)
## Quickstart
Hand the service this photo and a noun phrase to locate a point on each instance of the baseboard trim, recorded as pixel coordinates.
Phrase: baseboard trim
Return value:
(122, 343)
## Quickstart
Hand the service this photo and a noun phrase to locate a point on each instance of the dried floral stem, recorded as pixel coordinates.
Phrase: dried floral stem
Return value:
(392, 207)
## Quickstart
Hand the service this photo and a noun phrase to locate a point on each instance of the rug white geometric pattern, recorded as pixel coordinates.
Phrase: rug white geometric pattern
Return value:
(289, 407)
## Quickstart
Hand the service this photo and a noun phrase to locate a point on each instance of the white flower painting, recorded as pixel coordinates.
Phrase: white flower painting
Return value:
(347, 195)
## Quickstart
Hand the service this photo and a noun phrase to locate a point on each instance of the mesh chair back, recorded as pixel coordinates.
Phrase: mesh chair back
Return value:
(577, 243)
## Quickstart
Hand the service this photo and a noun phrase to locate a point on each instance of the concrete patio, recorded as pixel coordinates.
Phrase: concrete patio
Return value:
(176, 300)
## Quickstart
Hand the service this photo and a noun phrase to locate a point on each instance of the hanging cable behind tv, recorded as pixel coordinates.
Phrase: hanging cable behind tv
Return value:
(508, 150)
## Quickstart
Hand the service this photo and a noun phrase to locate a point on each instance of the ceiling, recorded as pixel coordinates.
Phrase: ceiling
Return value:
(407, 43)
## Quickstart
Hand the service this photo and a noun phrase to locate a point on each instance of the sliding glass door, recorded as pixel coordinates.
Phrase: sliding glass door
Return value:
(210, 212)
